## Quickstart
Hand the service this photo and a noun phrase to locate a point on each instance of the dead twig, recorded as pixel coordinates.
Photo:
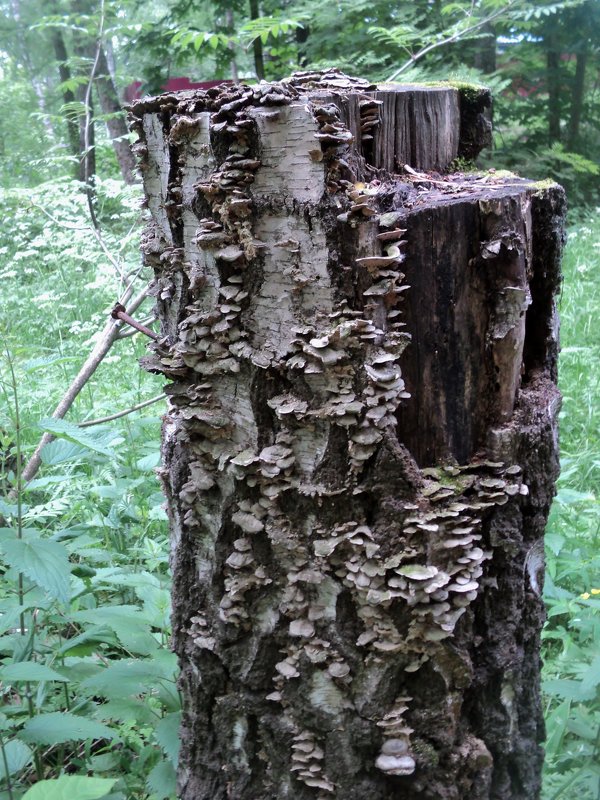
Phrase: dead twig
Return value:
(106, 340)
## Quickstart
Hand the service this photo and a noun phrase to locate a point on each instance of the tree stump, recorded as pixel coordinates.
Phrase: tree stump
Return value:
(360, 450)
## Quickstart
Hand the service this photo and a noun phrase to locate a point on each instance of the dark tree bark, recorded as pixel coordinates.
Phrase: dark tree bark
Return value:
(64, 72)
(485, 52)
(87, 140)
(553, 75)
(577, 97)
(360, 450)
(115, 118)
(257, 47)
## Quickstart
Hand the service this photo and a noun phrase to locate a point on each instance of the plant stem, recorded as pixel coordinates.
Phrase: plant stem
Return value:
(6, 770)
(18, 468)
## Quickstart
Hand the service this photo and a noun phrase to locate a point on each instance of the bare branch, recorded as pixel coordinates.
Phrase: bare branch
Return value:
(88, 121)
(89, 423)
(106, 340)
(127, 333)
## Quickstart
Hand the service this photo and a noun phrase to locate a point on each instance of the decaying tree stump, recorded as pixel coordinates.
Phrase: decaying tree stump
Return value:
(360, 449)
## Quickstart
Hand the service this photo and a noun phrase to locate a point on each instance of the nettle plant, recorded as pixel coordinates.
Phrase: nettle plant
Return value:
(571, 645)
(86, 675)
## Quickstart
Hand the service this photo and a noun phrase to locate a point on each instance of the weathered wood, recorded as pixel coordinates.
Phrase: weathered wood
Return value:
(360, 452)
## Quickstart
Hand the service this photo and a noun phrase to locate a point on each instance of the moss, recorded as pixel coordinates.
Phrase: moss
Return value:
(507, 174)
(541, 186)
(464, 165)
(470, 91)
(425, 753)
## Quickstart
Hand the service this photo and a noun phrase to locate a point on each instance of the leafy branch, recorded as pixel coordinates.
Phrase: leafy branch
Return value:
(404, 36)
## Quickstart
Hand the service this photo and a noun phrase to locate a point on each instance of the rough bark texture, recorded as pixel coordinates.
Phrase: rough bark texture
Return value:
(360, 451)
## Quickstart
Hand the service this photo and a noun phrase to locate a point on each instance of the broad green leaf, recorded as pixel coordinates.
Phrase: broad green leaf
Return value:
(568, 689)
(568, 497)
(157, 605)
(58, 727)
(10, 617)
(18, 756)
(8, 509)
(161, 781)
(29, 671)
(126, 709)
(556, 724)
(147, 463)
(44, 562)
(590, 679)
(581, 727)
(554, 541)
(89, 641)
(130, 677)
(115, 576)
(45, 361)
(61, 450)
(49, 480)
(167, 735)
(70, 787)
(98, 442)
(129, 624)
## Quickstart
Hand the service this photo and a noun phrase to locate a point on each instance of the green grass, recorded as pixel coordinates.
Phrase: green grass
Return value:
(102, 619)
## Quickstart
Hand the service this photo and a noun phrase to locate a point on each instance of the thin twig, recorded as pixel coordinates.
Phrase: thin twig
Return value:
(88, 122)
(127, 333)
(89, 423)
(97, 234)
(107, 338)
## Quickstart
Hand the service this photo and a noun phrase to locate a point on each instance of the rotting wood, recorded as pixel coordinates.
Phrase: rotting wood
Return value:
(360, 449)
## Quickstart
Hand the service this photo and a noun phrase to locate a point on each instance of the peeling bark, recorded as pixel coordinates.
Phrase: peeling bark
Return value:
(360, 449)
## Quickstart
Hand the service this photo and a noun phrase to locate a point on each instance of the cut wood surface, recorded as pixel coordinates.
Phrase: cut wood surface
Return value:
(360, 449)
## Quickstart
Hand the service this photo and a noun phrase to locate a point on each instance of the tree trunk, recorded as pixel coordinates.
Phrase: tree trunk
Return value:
(64, 71)
(577, 97)
(257, 46)
(360, 450)
(485, 50)
(553, 81)
(115, 118)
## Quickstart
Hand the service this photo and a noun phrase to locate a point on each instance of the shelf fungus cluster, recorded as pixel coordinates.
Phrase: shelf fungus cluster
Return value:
(331, 558)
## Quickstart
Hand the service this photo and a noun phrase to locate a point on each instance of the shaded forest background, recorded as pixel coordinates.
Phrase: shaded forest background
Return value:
(541, 61)
(87, 681)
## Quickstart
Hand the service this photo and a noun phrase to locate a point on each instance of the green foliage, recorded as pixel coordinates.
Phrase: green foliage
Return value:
(572, 593)
(88, 680)
(69, 786)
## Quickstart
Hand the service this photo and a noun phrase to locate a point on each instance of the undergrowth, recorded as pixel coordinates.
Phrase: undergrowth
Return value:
(571, 638)
(86, 674)
(90, 705)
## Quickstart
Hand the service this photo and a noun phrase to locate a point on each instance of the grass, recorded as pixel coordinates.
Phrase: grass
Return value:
(96, 513)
